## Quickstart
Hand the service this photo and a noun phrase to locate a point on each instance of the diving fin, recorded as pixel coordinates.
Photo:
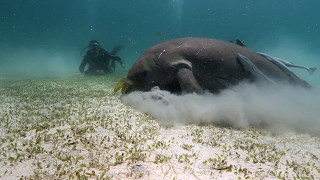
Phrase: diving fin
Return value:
(116, 49)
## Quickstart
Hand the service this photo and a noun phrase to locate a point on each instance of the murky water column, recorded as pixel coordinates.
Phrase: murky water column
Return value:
(177, 14)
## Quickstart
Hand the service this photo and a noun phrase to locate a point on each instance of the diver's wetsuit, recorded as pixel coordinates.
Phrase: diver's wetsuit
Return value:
(100, 62)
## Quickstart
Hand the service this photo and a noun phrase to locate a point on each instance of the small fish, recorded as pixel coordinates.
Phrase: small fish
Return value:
(289, 64)
(240, 43)
(119, 85)
(285, 69)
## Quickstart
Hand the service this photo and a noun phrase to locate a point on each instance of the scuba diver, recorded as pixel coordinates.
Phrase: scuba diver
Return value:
(98, 59)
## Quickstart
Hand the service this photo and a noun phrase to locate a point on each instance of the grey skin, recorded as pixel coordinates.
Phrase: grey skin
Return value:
(190, 65)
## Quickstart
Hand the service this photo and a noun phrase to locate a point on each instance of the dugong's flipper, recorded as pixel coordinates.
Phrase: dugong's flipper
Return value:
(188, 82)
(281, 65)
(250, 67)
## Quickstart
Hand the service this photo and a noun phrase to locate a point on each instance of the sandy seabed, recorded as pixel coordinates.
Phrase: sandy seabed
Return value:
(77, 128)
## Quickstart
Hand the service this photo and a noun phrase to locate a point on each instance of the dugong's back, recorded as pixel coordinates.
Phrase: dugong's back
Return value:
(211, 56)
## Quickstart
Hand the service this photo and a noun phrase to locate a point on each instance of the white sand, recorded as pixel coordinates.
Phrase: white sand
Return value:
(77, 128)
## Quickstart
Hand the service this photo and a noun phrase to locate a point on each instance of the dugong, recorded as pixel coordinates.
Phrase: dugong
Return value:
(196, 65)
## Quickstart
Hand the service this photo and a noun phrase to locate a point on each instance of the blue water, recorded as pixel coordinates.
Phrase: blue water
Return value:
(46, 36)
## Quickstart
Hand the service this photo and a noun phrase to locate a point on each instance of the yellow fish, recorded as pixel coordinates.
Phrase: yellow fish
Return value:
(121, 85)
